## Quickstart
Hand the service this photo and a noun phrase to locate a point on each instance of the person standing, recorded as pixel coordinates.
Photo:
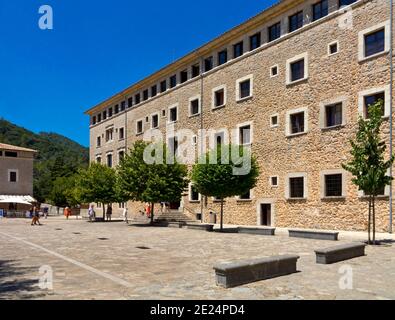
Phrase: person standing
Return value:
(109, 212)
(91, 213)
(67, 212)
(125, 215)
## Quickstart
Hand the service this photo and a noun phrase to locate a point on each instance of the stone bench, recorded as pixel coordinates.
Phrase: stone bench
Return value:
(260, 231)
(313, 234)
(340, 253)
(204, 227)
(233, 274)
(179, 224)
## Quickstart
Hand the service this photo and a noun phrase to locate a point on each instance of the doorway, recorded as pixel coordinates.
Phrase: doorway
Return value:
(266, 214)
(175, 205)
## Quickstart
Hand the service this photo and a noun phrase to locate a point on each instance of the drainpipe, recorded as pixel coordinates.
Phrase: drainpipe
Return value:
(201, 127)
(391, 106)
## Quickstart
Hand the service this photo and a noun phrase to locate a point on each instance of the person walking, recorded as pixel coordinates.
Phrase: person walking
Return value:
(148, 210)
(109, 212)
(67, 212)
(91, 213)
(125, 215)
(35, 216)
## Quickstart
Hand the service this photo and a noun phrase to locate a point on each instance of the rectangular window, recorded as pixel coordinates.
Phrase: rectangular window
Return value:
(274, 31)
(155, 121)
(297, 70)
(296, 187)
(194, 107)
(274, 121)
(145, 95)
(98, 142)
(245, 89)
(116, 109)
(98, 159)
(121, 133)
(208, 64)
(255, 41)
(193, 194)
(375, 43)
(139, 127)
(333, 185)
(109, 134)
(93, 120)
(343, 3)
(274, 181)
(297, 122)
(219, 139)
(137, 98)
(274, 71)
(246, 196)
(123, 105)
(173, 146)
(334, 115)
(163, 86)
(195, 70)
(13, 176)
(333, 48)
(104, 115)
(238, 50)
(110, 112)
(320, 10)
(245, 135)
(121, 155)
(219, 98)
(109, 160)
(184, 76)
(154, 91)
(11, 154)
(173, 81)
(296, 21)
(99, 117)
(130, 102)
(173, 114)
(370, 100)
(222, 57)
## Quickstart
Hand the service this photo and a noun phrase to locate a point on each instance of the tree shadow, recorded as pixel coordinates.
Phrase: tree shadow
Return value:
(17, 282)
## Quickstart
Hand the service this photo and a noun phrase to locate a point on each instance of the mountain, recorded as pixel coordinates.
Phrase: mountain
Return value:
(57, 155)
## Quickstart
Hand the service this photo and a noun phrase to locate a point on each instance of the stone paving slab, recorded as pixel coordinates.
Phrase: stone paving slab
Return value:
(178, 264)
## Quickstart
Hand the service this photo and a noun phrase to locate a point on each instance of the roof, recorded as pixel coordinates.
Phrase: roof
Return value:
(247, 26)
(15, 148)
(17, 199)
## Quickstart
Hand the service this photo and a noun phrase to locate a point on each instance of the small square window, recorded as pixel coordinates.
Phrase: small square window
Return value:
(333, 185)
(194, 107)
(370, 100)
(296, 188)
(333, 48)
(13, 176)
(274, 71)
(274, 181)
(246, 196)
(274, 121)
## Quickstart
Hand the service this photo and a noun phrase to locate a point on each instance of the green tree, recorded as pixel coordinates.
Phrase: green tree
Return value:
(225, 172)
(368, 164)
(63, 192)
(140, 180)
(97, 184)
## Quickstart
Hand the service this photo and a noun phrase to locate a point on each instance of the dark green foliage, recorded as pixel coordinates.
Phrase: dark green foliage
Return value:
(57, 156)
(368, 164)
(219, 179)
(152, 183)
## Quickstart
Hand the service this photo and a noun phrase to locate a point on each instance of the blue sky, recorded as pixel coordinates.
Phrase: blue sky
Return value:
(97, 48)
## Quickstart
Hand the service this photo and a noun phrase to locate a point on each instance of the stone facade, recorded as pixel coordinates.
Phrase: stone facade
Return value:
(329, 78)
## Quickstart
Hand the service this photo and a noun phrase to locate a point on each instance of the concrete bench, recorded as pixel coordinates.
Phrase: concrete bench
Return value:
(260, 231)
(340, 253)
(179, 224)
(204, 227)
(230, 275)
(313, 234)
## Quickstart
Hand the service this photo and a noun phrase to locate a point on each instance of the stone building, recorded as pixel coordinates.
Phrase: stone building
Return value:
(293, 81)
(16, 177)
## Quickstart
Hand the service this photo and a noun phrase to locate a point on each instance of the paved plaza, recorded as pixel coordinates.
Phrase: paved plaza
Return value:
(116, 261)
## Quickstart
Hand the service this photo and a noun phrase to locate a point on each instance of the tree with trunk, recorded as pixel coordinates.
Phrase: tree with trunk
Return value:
(63, 192)
(143, 180)
(225, 172)
(368, 164)
(97, 184)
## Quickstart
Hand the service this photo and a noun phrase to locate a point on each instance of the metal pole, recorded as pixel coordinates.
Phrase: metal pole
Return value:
(391, 106)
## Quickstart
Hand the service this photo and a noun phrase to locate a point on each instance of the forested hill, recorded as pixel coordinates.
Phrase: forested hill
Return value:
(57, 155)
